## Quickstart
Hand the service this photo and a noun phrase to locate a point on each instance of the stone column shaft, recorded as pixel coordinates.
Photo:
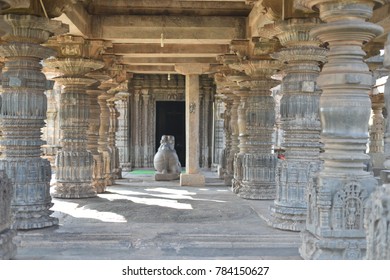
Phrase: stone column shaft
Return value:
(122, 136)
(192, 177)
(116, 170)
(337, 200)
(22, 116)
(76, 58)
(300, 121)
(104, 148)
(98, 180)
(377, 220)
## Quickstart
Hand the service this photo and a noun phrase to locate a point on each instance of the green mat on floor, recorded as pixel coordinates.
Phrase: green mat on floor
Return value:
(146, 171)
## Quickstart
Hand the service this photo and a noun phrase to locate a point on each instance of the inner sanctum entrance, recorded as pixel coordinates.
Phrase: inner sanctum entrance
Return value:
(170, 120)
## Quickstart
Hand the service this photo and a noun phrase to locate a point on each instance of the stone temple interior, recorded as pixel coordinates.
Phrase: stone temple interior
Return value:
(285, 100)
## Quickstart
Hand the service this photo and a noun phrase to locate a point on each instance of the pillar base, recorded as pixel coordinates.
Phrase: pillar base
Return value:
(319, 248)
(117, 173)
(287, 218)
(227, 178)
(254, 191)
(7, 247)
(166, 176)
(192, 180)
(74, 190)
(33, 217)
(99, 185)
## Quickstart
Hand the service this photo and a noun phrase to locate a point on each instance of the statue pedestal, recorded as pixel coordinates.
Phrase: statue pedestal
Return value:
(166, 177)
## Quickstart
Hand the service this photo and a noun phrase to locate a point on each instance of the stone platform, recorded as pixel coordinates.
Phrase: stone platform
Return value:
(140, 218)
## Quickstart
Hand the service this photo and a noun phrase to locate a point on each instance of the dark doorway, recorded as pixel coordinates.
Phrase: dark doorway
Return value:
(170, 120)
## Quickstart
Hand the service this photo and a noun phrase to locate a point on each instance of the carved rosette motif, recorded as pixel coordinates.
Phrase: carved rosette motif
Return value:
(300, 121)
(255, 163)
(76, 57)
(337, 198)
(22, 116)
(377, 220)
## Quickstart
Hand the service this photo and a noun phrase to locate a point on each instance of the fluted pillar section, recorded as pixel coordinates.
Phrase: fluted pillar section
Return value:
(22, 116)
(300, 121)
(116, 169)
(378, 124)
(377, 220)
(218, 133)
(74, 162)
(98, 179)
(337, 200)
(122, 135)
(103, 148)
(255, 164)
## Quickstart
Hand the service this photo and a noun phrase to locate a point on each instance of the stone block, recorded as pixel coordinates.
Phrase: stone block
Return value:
(192, 180)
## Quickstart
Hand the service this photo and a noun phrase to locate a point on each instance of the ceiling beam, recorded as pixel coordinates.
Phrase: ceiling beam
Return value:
(175, 29)
(183, 50)
(167, 60)
(151, 69)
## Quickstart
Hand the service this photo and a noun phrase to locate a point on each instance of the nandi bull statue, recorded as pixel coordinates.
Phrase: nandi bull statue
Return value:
(166, 161)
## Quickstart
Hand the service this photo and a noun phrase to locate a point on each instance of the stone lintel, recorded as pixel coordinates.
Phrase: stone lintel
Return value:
(192, 180)
(175, 28)
(193, 68)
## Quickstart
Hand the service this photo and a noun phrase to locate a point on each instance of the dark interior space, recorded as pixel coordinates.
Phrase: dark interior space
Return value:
(170, 120)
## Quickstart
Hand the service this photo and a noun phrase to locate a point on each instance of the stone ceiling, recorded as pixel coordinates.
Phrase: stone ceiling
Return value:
(152, 36)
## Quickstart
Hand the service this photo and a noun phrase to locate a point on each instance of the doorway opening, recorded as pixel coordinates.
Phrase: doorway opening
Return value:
(170, 120)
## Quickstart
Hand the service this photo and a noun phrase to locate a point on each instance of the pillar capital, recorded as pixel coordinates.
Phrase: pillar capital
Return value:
(192, 68)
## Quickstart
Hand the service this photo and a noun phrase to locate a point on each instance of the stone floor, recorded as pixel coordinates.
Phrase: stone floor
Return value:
(139, 218)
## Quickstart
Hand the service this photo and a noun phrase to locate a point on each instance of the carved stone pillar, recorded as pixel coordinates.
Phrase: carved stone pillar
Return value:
(50, 133)
(376, 149)
(104, 128)
(206, 95)
(255, 164)
(116, 170)
(22, 116)
(7, 247)
(300, 121)
(218, 133)
(147, 143)
(98, 178)
(192, 177)
(377, 220)
(337, 200)
(76, 57)
(122, 136)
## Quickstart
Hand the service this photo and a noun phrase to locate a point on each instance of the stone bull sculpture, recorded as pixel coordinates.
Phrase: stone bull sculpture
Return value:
(166, 161)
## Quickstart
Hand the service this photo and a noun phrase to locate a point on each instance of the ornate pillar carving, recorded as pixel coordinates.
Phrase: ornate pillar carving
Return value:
(148, 154)
(76, 57)
(116, 170)
(206, 95)
(98, 178)
(123, 134)
(377, 220)
(376, 148)
(337, 200)
(255, 164)
(104, 131)
(300, 121)
(22, 116)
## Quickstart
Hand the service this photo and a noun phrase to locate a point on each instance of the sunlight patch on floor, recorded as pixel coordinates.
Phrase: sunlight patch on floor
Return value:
(147, 201)
(74, 210)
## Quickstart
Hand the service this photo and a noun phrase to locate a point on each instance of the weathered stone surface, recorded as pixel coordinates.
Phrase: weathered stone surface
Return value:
(7, 247)
(377, 130)
(377, 218)
(300, 121)
(76, 57)
(255, 163)
(337, 199)
(22, 116)
(122, 135)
